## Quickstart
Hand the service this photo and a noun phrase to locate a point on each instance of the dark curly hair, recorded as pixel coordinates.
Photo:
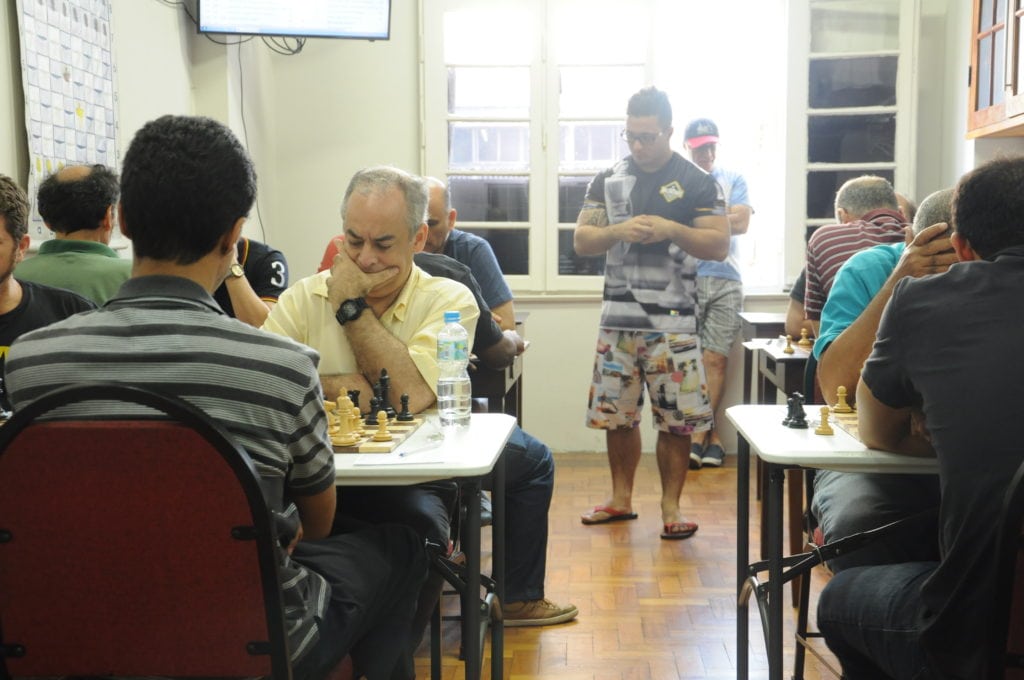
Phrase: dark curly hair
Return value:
(13, 208)
(987, 206)
(68, 205)
(185, 181)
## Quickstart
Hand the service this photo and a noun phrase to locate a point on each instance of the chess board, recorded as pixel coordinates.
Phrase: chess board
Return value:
(846, 421)
(400, 431)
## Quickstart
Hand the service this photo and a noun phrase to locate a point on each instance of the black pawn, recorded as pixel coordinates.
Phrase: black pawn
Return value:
(371, 417)
(354, 396)
(404, 416)
(385, 398)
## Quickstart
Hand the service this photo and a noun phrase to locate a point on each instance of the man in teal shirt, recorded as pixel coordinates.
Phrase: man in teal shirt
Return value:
(77, 204)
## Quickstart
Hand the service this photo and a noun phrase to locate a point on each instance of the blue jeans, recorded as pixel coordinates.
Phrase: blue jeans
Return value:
(870, 619)
(529, 482)
(847, 503)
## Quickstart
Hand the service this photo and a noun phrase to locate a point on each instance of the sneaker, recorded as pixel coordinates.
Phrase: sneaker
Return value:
(713, 456)
(537, 613)
(696, 454)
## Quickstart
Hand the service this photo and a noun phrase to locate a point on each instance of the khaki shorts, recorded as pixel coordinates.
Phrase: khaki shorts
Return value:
(671, 367)
(720, 302)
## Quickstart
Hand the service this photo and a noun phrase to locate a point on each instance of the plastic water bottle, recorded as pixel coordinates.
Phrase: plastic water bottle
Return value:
(454, 392)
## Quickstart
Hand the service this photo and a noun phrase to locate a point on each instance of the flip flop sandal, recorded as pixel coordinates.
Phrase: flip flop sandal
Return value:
(603, 514)
(678, 530)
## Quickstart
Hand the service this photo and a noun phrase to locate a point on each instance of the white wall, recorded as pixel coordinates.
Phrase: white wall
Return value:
(311, 120)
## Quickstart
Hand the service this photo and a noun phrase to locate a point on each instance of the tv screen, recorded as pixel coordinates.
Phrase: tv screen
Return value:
(363, 19)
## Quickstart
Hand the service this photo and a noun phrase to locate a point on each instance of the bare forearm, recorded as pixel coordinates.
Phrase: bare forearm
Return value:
(507, 312)
(739, 219)
(375, 349)
(707, 239)
(593, 235)
(888, 429)
(502, 353)
(841, 362)
(336, 385)
(247, 304)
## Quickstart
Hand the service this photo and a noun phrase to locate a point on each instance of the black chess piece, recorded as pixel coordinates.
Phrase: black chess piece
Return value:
(371, 417)
(797, 417)
(354, 396)
(404, 416)
(385, 398)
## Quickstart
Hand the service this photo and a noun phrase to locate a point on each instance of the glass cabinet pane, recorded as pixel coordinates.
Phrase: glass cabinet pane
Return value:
(491, 198)
(851, 139)
(859, 81)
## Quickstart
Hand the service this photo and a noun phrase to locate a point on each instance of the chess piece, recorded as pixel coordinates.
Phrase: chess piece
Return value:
(385, 397)
(804, 340)
(371, 417)
(345, 436)
(797, 418)
(354, 396)
(788, 349)
(824, 428)
(382, 434)
(404, 416)
(841, 404)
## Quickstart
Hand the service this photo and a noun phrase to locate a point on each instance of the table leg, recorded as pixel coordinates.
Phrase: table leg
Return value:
(471, 597)
(498, 566)
(795, 506)
(748, 383)
(742, 553)
(776, 479)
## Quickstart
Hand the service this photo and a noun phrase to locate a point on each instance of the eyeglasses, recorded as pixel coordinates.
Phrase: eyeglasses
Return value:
(645, 138)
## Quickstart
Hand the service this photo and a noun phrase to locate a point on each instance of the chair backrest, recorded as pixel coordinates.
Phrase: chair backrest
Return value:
(1007, 639)
(135, 545)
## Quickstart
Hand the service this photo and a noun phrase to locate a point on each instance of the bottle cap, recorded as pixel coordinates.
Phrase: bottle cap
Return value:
(452, 317)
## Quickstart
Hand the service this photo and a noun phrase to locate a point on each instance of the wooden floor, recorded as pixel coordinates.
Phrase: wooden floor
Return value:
(649, 608)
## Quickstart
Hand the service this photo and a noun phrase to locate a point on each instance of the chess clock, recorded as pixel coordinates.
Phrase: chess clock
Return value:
(350, 310)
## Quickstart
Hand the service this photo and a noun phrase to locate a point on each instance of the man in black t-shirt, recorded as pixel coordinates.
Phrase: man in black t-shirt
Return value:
(25, 306)
(256, 279)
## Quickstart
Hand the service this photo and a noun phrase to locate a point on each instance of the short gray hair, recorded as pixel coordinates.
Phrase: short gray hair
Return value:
(937, 207)
(384, 177)
(863, 194)
(435, 182)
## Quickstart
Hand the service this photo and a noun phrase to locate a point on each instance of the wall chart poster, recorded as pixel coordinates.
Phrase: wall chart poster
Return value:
(68, 78)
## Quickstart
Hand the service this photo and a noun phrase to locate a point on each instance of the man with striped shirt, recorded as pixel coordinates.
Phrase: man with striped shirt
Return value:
(868, 215)
(186, 188)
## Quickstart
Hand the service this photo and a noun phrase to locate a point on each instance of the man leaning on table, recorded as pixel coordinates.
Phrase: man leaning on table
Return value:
(846, 503)
(376, 309)
(187, 185)
(948, 351)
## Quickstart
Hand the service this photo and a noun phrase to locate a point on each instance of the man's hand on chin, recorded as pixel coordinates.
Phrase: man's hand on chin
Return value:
(348, 281)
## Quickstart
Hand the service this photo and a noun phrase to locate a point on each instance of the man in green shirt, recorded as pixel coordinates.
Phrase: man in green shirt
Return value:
(77, 204)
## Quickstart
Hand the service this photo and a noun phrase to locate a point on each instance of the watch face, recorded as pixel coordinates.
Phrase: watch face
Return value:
(237, 271)
(349, 309)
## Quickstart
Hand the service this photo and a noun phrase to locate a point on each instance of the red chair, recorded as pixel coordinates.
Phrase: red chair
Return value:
(135, 545)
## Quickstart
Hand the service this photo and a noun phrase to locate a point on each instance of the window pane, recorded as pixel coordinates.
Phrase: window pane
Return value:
(490, 199)
(854, 26)
(822, 187)
(985, 72)
(851, 139)
(999, 72)
(590, 146)
(494, 91)
(600, 32)
(511, 247)
(569, 263)
(571, 192)
(985, 17)
(489, 146)
(862, 81)
(493, 35)
(597, 91)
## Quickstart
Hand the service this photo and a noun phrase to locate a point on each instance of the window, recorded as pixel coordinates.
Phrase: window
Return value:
(525, 99)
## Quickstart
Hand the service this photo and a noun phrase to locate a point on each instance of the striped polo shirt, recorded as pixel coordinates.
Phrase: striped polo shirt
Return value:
(830, 246)
(167, 334)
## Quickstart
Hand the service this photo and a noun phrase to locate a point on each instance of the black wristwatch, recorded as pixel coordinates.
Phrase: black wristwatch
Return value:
(350, 310)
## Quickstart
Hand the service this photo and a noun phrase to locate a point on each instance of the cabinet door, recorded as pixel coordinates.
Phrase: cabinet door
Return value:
(1014, 60)
(988, 63)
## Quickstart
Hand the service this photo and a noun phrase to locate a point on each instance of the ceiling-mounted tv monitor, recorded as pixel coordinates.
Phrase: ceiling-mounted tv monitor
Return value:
(359, 19)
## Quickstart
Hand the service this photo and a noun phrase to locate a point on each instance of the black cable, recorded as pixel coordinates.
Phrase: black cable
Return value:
(245, 136)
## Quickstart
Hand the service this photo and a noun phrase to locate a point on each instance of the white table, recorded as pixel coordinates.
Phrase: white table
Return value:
(468, 454)
(760, 429)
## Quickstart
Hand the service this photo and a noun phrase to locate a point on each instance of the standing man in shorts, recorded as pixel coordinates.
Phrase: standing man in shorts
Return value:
(719, 287)
(653, 214)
